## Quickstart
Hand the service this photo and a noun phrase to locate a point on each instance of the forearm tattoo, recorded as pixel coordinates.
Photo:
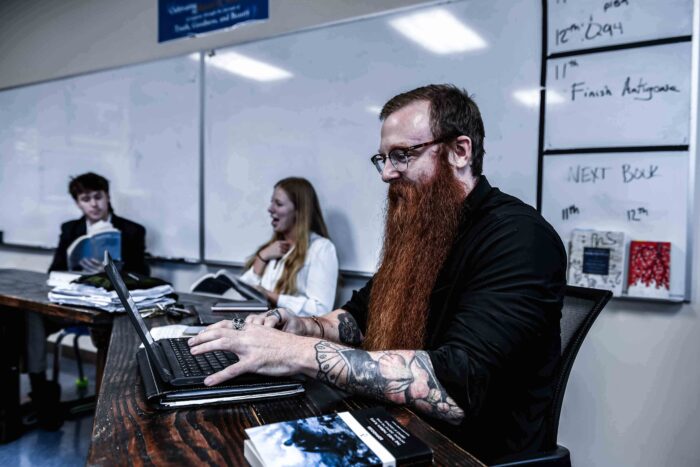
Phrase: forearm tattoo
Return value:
(348, 331)
(398, 376)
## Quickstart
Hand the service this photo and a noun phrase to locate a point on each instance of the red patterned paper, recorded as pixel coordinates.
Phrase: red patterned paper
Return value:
(650, 263)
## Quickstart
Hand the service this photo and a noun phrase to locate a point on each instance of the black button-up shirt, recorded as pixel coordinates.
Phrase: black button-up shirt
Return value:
(493, 324)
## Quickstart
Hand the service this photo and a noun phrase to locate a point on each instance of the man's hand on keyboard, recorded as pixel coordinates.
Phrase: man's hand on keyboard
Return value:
(261, 349)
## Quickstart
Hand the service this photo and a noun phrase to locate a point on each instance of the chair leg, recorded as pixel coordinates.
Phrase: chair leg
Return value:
(83, 403)
(57, 355)
(82, 382)
(77, 357)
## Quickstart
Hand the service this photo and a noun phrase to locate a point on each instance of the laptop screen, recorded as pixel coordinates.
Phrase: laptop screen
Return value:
(131, 310)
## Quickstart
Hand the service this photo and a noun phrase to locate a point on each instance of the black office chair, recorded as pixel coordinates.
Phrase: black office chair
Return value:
(581, 308)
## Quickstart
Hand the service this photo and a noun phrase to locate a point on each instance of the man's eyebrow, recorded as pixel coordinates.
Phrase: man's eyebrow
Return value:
(397, 146)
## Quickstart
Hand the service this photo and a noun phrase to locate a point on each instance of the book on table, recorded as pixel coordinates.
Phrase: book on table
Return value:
(649, 273)
(361, 437)
(597, 260)
(93, 246)
(225, 285)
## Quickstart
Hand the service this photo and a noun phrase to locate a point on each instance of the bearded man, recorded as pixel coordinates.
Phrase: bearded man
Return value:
(461, 320)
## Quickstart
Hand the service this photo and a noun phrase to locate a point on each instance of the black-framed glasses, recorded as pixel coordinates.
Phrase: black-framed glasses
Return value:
(399, 157)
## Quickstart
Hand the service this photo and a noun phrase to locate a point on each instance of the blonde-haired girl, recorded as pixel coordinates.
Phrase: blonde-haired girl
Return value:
(297, 268)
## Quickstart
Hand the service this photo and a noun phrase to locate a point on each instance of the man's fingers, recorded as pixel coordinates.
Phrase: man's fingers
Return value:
(210, 339)
(255, 318)
(224, 323)
(227, 373)
(271, 321)
(203, 347)
(272, 318)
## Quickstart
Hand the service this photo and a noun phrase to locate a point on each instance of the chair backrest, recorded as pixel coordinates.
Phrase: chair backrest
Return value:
(581, 308)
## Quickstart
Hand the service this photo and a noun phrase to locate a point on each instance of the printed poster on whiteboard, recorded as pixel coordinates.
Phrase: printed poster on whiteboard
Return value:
(189, 18)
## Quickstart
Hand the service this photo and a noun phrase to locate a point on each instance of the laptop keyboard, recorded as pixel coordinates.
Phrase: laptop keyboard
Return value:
(203, 364)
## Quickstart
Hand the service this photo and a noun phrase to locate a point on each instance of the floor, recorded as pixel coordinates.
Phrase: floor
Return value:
(66, 447)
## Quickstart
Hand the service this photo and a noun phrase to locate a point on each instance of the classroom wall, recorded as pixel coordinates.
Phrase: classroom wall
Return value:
(632, 399)
(46, 39)
(634, 392)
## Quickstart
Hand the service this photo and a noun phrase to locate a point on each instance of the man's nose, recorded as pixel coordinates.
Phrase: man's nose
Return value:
(389, 172)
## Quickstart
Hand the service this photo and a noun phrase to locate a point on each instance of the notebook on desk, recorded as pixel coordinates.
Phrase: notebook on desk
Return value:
(174, 377)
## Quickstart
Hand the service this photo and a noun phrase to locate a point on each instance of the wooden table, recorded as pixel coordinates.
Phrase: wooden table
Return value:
(22, 291)
(128, 431)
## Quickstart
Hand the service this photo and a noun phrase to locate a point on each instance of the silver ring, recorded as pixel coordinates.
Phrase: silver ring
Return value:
(274, 312)
(238, 323)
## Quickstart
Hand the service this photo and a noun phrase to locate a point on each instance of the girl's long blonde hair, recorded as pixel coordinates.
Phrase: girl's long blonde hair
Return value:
(308, 219)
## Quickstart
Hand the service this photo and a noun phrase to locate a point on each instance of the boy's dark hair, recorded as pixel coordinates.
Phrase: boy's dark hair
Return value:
(88, 182)
(452, 113)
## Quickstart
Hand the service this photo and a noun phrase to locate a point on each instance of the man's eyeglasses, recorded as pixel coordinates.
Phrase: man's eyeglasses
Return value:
(399, 157)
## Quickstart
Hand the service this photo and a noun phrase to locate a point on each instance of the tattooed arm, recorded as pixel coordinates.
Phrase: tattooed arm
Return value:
(337, 326)
(400, 376)
(341, 327)
(403, 377)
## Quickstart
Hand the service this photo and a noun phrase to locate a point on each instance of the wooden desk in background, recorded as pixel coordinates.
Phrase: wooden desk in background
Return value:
(127, 431)
(22, 291)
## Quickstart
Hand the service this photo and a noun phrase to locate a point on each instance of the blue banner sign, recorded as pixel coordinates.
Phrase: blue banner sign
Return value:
(186, 18)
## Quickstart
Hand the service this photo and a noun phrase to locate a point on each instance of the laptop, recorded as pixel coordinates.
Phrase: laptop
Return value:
(171, 358)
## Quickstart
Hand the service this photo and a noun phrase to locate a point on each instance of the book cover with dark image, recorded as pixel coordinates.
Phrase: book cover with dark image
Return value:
(597, 259)
(362, 437)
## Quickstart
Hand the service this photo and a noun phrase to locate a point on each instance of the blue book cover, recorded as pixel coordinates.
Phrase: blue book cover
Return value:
(93, 246)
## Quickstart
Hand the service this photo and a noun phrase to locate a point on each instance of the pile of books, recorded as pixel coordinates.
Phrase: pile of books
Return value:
(73, 293)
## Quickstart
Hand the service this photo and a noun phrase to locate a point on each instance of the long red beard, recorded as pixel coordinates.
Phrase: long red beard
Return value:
(421, 223)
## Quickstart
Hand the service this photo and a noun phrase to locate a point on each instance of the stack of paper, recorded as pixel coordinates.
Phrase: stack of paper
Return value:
(97, 297)
(58, 278)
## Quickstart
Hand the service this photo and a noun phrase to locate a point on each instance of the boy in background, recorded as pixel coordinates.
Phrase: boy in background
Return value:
(91, 194)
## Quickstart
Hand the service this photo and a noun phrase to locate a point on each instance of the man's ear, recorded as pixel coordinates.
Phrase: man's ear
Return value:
(461, 154)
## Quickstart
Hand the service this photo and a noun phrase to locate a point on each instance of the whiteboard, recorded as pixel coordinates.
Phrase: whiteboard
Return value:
(644, 195)
(634, 97)
(138, 126)
(322, 122)
(584, 24)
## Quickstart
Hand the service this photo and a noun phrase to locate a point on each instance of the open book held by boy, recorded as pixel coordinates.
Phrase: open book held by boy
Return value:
(93, 246)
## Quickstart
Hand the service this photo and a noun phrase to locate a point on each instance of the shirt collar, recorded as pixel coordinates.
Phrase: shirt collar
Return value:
(89, 227)
(477, 196)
